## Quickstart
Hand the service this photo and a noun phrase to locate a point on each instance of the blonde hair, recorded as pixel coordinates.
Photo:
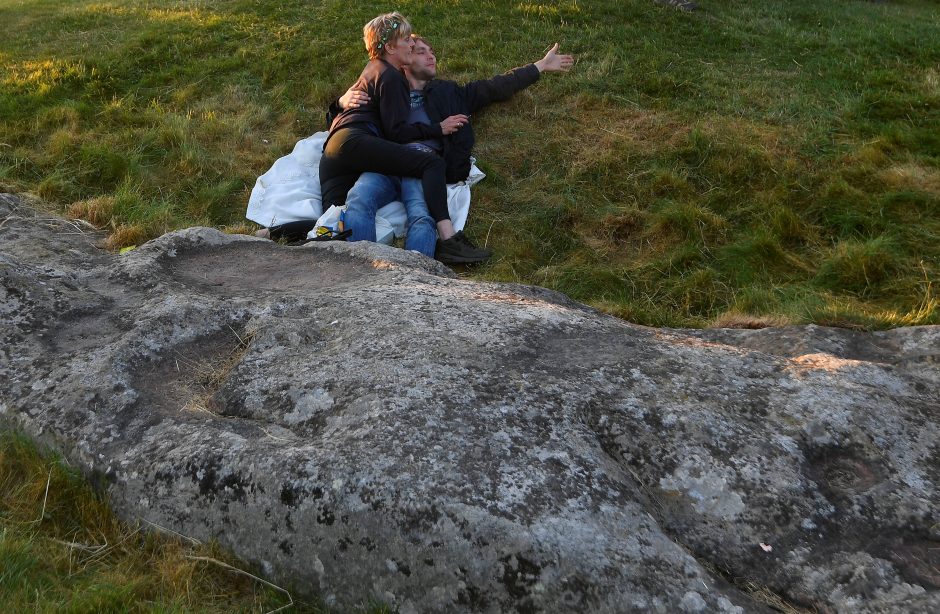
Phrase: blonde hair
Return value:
(384, 29)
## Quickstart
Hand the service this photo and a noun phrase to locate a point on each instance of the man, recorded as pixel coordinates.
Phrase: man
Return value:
(433, 100)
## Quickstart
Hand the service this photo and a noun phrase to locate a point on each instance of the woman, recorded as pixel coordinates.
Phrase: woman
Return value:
(369, 138)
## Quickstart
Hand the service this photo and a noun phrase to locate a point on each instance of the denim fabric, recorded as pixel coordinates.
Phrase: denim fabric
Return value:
(372, 191)
(422, 230)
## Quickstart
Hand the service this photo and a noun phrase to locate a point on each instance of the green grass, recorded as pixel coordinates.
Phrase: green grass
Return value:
(752, 162)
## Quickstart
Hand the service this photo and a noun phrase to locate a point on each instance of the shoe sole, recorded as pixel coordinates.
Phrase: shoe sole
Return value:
(460, 260)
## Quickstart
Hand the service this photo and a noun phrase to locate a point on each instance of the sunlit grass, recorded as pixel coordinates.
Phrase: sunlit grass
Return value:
(754, 164)
(766, 159)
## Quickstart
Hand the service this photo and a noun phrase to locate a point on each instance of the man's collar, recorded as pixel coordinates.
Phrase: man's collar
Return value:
(418, 89)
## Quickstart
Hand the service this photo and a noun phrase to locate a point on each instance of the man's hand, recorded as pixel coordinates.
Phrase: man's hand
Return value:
(353, 99)
(554, 62)
(454, 123)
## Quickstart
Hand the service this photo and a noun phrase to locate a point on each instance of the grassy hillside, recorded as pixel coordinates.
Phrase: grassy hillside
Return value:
(754, 162)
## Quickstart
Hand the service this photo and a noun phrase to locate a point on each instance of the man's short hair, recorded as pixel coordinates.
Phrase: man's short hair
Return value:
(420, 39)
(384, 29)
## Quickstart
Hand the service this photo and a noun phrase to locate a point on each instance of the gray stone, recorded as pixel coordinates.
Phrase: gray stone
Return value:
(359, 422)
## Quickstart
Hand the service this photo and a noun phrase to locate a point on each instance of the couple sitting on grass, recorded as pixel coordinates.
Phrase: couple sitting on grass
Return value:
(401, 134)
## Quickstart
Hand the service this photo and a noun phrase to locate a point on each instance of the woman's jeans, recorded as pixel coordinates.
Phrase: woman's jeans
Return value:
(372, 191)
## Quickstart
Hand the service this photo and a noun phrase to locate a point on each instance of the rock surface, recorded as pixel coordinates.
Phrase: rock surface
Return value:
(360, 423)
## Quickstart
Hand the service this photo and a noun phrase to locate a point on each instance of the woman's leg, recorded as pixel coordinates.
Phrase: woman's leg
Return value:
(337, 173)
(361, 152)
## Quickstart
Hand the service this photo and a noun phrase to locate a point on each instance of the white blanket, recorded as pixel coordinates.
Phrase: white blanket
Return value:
(290, 191)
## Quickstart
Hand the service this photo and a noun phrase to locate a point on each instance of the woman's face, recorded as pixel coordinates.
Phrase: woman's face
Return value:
(403, 50)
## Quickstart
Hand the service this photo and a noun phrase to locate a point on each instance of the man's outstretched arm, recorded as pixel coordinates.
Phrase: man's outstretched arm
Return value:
(502, 87)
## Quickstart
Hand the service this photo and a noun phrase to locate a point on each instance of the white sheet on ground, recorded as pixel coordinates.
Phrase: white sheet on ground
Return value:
(290, 191)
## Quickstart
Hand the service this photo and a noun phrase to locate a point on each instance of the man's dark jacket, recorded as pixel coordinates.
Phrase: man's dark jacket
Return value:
(445, 98)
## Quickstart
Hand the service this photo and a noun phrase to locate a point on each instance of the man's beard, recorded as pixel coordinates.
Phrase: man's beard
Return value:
(422, 73)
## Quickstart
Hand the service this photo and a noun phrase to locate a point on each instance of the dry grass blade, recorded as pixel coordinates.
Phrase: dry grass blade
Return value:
(45, 499)
(85, 547)
(164, 529)
(208, 559)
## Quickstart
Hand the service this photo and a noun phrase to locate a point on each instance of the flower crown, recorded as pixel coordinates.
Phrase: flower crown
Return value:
(386, 32)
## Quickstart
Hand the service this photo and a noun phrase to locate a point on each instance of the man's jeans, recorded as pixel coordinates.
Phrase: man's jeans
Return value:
(372, 192)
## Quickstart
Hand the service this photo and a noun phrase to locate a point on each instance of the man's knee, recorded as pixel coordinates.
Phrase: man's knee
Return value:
(422, 220)
(369, 194)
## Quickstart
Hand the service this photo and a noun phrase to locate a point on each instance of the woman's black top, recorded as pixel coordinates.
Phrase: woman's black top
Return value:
(387, 111)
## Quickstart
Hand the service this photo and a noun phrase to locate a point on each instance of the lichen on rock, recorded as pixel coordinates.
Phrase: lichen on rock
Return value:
(360, 423)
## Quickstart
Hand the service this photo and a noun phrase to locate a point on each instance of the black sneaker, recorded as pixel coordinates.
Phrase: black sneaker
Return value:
(459, 250)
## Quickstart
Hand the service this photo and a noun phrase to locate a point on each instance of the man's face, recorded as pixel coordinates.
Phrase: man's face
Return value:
(423, 62)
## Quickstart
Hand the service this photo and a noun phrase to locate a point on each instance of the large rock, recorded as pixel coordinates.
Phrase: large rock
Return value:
(360, 423)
